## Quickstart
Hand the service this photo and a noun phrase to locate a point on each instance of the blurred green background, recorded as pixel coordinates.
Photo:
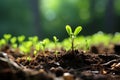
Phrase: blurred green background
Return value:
(47, 18)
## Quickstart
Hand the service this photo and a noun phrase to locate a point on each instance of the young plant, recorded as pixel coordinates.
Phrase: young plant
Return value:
(34, 39)
(43, 44)
(25, 47)
(13, 42)
(21, 39)
(55, 41)
(7, 37)
(72, 34)
(37, 47)
(2, 42)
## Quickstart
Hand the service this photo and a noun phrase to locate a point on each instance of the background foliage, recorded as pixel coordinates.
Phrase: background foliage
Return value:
(47, 18)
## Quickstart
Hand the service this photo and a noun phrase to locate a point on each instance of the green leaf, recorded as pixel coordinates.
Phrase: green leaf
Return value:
(55, 39)
(13, 40)
(68, 29)
(7, 36)
(2, 42)
(21, 38)
(77, 30)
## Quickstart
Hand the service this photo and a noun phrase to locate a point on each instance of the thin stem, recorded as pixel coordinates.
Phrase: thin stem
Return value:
(72, 45)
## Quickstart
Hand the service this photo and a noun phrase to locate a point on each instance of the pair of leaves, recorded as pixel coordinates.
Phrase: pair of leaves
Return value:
(55, 39)
(75, 33)
(7, 36)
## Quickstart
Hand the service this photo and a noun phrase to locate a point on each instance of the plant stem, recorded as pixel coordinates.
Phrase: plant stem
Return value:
(72, 45)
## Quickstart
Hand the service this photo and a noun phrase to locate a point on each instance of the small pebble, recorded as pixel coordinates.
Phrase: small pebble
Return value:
(2, 54)
(68, 76)
(52, 69)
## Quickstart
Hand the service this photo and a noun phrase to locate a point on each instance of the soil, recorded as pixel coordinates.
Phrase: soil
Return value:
(98, 63)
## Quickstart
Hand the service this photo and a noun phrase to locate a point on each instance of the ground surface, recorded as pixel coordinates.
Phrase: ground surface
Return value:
(99, 63)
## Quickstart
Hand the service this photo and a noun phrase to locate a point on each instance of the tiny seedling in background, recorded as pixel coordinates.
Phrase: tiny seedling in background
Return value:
(21, 39)
(37, 48)
(7, 37)
(55, 41)
(34, 39)
(2, 42)
(43, 44)
(73, 34)
(26, 47)
(13, 42)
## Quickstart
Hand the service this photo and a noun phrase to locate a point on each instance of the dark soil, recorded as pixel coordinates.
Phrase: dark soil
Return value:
(99, 63)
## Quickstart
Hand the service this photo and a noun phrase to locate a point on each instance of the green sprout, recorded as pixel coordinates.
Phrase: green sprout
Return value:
(34, 39)
(13, 42)
(43, 44)
(73, 34)
(37, 48)
(7, 37)
(55, 41)
(2, 42)
(26, 47)
(21, 39)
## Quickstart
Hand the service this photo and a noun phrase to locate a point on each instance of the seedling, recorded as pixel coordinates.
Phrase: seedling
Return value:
(37, 48)
(21, 39)
(13, 42)
(26, 47)
(34, 39)
(2, 42)
(43, 44)
(73, 34)
(7, 37)
(55, 41)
